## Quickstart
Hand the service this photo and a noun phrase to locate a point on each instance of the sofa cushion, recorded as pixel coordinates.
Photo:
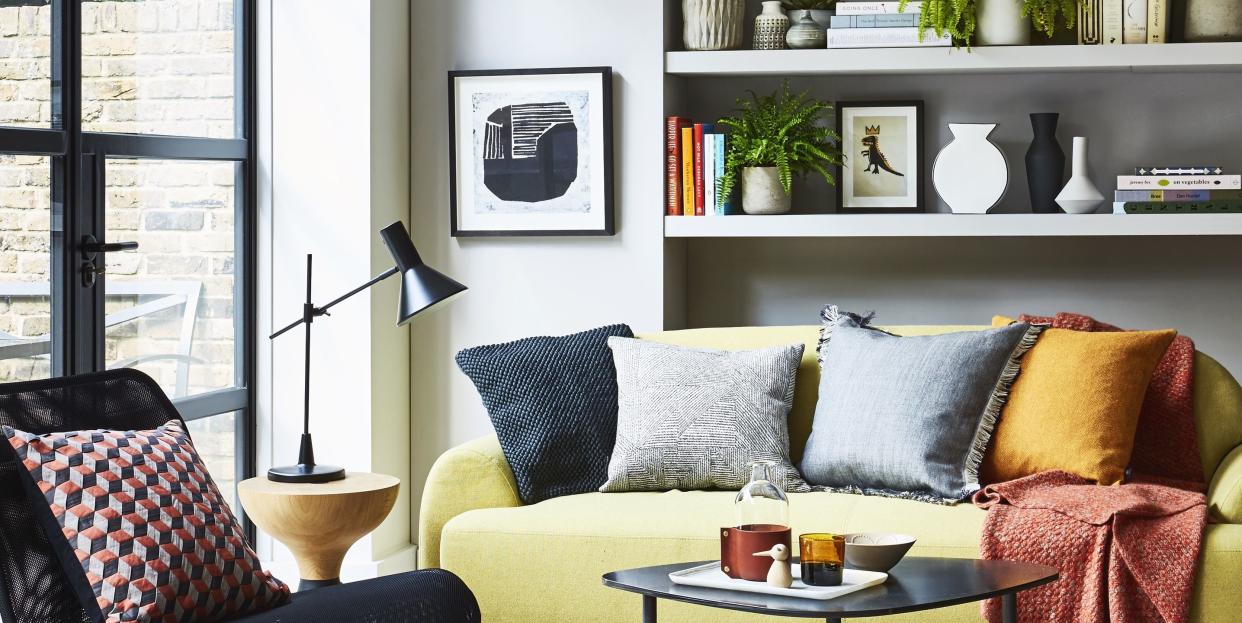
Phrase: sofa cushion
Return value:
(692, 418)
(908, 417)
(553, 403)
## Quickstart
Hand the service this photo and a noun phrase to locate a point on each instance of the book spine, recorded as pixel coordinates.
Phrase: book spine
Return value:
(719, 198)
(1178, 196)
(1157, 21)
(709, 174)
(1179, 182)
(1090, 18)
(884, 38)
(699, 198)
(1134, 22)
(1178, 170)
(1160, 207)
(900, 20)
(1114, 29)
(877, 8)
(672, 138)
(687, 171)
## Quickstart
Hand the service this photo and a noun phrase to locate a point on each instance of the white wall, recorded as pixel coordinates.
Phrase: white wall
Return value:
(521, 287)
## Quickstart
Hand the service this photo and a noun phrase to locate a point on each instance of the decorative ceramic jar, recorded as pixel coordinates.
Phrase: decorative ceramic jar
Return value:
(1080, 196)
(761, 522)
(823, 17)
(1000, 22)
(1213, 20)
(770, 27)
(806, 34)
(763, 193)
(713, 24)
(1045, 164)
(971, 174)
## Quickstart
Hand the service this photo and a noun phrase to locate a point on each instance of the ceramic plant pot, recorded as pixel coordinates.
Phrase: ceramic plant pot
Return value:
(1213, 20)
(971, 174)
(806, 34)
(1045, 164)
(770, 27)
(823, 17)
(1080, 196)
(1000, 22)
(762, 192)
(713, 24)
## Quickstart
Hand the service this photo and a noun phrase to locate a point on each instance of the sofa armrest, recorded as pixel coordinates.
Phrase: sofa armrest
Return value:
(471, 476)
(1225, 490)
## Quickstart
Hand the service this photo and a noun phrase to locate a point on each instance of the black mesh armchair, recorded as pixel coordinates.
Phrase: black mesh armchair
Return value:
(33, 587)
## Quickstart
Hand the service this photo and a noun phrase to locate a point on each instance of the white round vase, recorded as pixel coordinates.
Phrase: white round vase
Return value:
(713, 24)
(762, 192)
(1080, 196)
(971, 174)
(1000, 22)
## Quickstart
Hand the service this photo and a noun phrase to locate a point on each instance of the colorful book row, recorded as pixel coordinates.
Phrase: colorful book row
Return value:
(695, 165)
(1177, 196)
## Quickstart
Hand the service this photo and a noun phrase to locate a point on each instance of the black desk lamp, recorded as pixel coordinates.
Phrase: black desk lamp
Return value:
(421, 288)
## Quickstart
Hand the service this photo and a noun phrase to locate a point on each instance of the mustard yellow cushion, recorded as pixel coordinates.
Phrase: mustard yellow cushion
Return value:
(1075, 405)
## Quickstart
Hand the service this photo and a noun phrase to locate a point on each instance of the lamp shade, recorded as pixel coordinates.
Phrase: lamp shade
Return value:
(421, 285)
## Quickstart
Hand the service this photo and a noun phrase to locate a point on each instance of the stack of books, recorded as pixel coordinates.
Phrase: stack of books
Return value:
(1113, 22)
(696, 161)
(880, 25)
(1178, 190)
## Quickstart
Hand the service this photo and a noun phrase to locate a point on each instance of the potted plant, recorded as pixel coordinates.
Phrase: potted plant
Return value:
(775, 137)
(820, 10)
(1002, 22)
(955, 17)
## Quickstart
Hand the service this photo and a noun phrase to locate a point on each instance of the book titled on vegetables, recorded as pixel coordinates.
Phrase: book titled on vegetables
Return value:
(1179, 182)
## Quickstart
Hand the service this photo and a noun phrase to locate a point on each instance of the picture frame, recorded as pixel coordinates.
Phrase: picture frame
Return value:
(882, 171)
(530, 152)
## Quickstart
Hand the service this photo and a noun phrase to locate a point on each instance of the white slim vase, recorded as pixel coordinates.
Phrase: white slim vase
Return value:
(971, 173)
(1080, 196)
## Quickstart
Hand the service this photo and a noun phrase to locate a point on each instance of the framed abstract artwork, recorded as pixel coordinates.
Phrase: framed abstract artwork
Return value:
(883, 168)
(530, 152)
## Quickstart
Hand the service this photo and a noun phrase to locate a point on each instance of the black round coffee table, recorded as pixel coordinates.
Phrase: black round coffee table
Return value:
(915, 584)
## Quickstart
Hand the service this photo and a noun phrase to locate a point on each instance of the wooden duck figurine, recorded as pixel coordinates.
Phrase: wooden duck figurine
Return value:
(779, 575)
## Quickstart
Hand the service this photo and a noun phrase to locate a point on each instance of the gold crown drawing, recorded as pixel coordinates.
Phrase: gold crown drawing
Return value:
(872, 130)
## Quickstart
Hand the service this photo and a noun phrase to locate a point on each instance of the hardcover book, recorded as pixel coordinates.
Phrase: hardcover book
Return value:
(1204, 207)
(877, 8)
(1090, 22)
(1178, 196)
(672, 137)
(721, 201)
(1157, 21)
(1134, 21)
(709, 174)
(900, 20)
(687, 171)
(884, 38)
(699, 198)
(1178, 171)
(1179, 182)
(1113, 17)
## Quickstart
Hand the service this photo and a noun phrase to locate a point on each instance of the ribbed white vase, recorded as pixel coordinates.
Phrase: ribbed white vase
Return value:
(713, 24)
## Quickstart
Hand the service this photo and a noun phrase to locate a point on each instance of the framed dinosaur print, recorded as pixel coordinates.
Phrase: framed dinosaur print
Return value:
(883, 167)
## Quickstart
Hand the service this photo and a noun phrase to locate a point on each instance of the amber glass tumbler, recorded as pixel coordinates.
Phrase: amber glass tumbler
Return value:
(822, 559)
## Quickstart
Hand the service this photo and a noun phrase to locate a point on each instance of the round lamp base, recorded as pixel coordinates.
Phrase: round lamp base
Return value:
(306, 473)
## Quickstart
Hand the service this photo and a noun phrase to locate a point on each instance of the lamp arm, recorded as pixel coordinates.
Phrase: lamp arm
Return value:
(319, 311)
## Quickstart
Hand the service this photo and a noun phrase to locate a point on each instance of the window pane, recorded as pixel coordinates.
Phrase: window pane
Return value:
(158, 67)
(26, 63)
(214, 439)
(170, 305)
(25, 268)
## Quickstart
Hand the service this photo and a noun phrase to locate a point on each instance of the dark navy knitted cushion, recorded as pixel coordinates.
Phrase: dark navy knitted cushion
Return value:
(553, 403)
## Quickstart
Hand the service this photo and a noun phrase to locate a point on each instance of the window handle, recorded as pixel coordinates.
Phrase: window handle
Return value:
(92, 246)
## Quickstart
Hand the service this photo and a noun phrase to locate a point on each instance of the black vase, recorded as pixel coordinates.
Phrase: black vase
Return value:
(1045, 164)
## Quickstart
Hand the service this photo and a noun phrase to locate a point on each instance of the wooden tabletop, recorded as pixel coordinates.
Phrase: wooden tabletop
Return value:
(354, 482)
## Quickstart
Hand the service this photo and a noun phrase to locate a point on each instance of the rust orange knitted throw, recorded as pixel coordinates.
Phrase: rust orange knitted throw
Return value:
(1127, 553)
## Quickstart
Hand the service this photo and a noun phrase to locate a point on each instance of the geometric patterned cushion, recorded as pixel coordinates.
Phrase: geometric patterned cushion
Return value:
(154, 537)
(553, 403)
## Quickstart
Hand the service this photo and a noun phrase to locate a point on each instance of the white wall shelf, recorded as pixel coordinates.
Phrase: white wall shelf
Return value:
(1173, 57)
(951, 225)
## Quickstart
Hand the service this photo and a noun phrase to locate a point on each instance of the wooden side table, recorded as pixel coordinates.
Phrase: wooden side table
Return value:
(319, 522)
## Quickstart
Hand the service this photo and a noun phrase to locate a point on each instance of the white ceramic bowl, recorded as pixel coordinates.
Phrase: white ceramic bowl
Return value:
(876, 551)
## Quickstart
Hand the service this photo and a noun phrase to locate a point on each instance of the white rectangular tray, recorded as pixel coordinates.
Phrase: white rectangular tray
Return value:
(710, 576)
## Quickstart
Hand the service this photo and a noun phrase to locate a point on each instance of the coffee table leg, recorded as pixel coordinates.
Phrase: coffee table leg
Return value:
(649, 609)
(1009, 608)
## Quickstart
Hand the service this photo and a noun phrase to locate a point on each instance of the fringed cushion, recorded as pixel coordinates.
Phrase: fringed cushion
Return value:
(908, 417)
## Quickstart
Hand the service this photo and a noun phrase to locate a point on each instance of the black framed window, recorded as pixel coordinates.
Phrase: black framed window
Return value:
(129, 121)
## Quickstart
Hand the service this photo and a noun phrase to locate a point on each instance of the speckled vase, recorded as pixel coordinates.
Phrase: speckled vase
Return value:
(713, 24)
(770, 27)
(806, 34)
(1213, 20)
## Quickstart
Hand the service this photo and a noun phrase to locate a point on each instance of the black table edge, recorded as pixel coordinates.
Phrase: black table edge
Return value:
(1056, 575)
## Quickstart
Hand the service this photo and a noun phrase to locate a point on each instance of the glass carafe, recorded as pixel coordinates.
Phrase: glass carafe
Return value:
(761, 514)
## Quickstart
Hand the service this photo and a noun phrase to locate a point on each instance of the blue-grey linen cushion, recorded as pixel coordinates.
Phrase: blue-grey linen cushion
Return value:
(695, 419)
(908, 417)
(553, 403)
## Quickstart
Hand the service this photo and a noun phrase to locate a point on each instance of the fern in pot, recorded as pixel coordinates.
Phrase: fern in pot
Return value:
(774, 138)
(999, 22)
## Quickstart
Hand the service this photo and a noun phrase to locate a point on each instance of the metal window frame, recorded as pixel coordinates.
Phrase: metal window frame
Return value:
(79, 161)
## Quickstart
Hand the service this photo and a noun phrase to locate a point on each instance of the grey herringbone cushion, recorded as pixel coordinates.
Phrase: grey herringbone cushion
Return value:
(908, 417)
(695, 419)
(553, 403)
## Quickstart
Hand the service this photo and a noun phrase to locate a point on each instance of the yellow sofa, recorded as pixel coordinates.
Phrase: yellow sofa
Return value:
(542, 563)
